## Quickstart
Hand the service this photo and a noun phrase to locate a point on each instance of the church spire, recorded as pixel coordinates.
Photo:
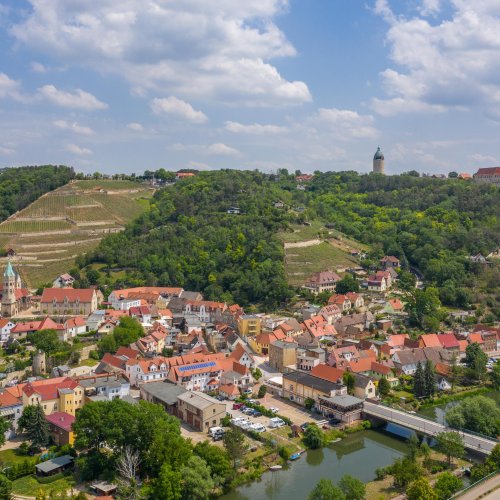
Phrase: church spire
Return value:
(9, 271)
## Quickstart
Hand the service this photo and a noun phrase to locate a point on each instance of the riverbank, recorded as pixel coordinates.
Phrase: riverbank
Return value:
(458, 396)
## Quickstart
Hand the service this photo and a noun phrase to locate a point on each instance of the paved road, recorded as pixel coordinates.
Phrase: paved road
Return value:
(483, 488)
(417, 423)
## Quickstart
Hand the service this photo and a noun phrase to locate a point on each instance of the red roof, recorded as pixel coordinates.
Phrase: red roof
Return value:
(61, 419)
(396, 304)
(229, 389)
(49, 389)
(74, 322)
(35, 326)
(8, 399)
(475, 337)
(448, 340)
(430, 340)
(84, 295)
(327, 372)
(489, 171)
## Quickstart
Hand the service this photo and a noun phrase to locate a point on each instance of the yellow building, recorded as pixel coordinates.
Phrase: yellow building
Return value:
(300, 386)
(249, 325)
(60, 394)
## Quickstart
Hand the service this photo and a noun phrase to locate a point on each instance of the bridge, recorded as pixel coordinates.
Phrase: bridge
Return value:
(472, 441)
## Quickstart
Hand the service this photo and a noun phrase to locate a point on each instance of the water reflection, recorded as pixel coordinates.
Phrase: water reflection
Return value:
(314, 457)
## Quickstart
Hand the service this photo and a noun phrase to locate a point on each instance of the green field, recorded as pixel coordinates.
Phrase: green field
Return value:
(87, 213)
(13, 457)
(29, 486)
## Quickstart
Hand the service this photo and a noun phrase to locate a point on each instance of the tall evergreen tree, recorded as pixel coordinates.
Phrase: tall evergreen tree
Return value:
(429, 379)
(419, 382)
(35, 425)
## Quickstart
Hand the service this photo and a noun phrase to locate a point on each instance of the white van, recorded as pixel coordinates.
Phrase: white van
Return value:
(276, 422)
(214, 431)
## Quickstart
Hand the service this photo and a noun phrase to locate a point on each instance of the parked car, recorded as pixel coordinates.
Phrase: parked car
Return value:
(247, 391)
(304, 426)
(276, 422)
(257, 427)
(274, 410)
(257, 414)
(237, 406)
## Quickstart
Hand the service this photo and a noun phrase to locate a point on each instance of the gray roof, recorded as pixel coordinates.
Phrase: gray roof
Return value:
(103, 382)
(164, 391)
(285, 345)
(361, 381)
(310, 381)
(54, 464)
(345, 401)
(187, 295)
(198, 399)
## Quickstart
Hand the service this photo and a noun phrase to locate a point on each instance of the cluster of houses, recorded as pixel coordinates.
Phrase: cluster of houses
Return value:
(197, 353)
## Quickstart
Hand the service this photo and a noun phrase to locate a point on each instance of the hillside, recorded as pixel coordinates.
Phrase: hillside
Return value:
(309, 249)
(59, 226)
(188, 239)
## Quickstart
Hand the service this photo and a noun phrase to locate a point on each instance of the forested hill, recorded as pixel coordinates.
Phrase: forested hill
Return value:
(188, 239)
(21, 186)
(432, 224)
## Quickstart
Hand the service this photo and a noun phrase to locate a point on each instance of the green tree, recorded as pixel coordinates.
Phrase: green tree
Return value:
(406, 281)
(46, 341)
(235, 445)
(5, 488)
(168, 484)
(349, 380)
(4, 427)
(495, 375)
(420, 489)
(476, 361)
(262, 391)
(313, 437)
(217, 459)
(429, 379)
(404, 471)
(477, 414)
(347, 284)
(446, 484)
(419, 381)
(425, 451)
(326, 490)
(413, 448)
(450, 444)
(256, 374)
(423, 306)
(353, 488)
(197, 480)
(35, 425)
(384, 387)
(455, 371)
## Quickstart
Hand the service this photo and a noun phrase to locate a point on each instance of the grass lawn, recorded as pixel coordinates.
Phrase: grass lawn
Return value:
(12, 457)
(28, 485)
(302, 233)
(89, 362)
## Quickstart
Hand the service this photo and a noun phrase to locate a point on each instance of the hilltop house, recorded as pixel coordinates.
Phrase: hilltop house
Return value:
(324, 281)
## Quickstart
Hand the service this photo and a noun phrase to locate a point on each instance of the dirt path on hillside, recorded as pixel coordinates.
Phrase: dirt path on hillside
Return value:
(303, 244)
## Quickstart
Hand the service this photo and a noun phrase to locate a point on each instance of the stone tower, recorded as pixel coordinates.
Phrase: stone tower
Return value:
(39, 365)
(378, 162)
(9, 303)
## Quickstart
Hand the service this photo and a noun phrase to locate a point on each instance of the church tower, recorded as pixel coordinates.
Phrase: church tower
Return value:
(9, 303)
(378, 162)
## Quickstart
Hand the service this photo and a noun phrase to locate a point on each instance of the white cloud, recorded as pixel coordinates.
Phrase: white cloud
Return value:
(220, 149)
(254, 129)
(345, 124)
(78, 150)
(177, 107)
(9, 88)
(222, 50)
(78, 100)
(442, 64)
(37, 67)
(136, 127)
(6, 151)
(480, 158)
(73, 127)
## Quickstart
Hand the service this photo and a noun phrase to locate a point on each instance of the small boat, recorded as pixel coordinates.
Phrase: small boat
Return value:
(275, 468)
(295, 456)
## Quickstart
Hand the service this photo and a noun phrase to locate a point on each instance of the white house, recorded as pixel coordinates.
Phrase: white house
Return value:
(75, 326)
(6, 326)
(140, 371)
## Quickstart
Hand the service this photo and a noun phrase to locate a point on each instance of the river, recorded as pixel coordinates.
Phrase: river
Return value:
(358, 454)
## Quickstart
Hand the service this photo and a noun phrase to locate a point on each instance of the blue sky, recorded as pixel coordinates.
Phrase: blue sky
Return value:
(129, 85)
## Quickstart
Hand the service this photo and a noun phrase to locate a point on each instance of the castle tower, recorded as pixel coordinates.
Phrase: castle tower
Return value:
(9, 303)
(378, 162)
(39, 365)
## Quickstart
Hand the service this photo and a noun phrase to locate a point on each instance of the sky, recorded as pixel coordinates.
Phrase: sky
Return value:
(121, 86)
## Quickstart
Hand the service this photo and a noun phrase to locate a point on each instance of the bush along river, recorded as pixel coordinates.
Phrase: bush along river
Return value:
(358, 454)
(438, 412)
